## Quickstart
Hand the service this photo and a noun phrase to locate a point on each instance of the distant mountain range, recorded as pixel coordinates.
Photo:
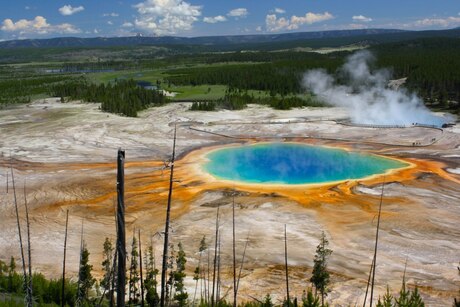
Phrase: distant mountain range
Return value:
(365, 35)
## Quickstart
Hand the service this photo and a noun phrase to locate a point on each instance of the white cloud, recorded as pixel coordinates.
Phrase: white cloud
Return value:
(163, 17)
(68, 10)
(277, 10)
(239, 12)
(441, 22)
(275, 24)
(215, 19)
(27, 8)
(38, 25)
(259, 29)
(111, 14)
(127, 25)
(110, 23)
(361, 18)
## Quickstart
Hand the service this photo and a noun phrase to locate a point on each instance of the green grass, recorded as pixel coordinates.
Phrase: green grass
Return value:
(199, 92)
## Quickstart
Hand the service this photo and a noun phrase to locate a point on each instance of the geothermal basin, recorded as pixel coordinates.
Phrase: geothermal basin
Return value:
(66, 154)
(294, 163)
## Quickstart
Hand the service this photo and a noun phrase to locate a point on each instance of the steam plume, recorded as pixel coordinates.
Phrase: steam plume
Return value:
(367, 96)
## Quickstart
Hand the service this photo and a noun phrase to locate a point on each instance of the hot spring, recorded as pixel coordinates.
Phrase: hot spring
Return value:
(294, 163)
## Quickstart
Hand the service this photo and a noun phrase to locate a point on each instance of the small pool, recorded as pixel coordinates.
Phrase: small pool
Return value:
(294, 163)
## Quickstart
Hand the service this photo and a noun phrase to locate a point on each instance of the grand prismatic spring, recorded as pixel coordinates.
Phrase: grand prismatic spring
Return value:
(291, 163)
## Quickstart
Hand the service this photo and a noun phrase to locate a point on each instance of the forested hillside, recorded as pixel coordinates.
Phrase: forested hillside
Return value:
(231, 79)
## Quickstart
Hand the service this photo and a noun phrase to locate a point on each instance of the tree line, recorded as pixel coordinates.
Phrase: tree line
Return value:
(431, 65)
(123, 97)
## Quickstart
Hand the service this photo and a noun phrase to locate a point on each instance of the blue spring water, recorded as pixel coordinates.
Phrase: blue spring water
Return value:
(291, 163)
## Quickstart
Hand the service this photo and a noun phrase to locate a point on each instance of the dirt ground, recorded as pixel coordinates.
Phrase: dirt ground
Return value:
(65, 155)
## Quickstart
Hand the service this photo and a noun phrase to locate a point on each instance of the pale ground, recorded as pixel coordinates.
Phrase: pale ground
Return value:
(57, 149)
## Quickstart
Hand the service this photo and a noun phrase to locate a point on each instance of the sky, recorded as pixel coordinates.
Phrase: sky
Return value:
(20, 19)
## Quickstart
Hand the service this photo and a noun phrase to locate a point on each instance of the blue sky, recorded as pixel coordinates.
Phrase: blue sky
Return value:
(90, 18)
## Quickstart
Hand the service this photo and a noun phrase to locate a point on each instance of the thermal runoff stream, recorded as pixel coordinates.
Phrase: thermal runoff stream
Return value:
(291, 163)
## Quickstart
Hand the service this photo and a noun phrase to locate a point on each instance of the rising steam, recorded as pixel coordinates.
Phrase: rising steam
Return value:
(367, 96)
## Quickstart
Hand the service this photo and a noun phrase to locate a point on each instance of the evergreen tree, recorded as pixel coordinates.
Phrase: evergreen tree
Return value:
(404, 296)
(84, 276)
(134, 294)
(415, 299)
(14, 280)
(321, 276)
(267, 301)
(179, 275)
(150, 283)
(107, 263)
(387, 300)
(309, 299)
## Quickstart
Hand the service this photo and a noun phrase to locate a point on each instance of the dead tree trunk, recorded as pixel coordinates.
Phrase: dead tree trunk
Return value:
(234, 251)
(79, 294)
(368, 282)
(376, 243)
(286, 263)
(215, 259)
(166, 239)
(242, 263)
(140, 268)
(218, 269)
(29, 249)
(63, 261)
(28, 299)
(121, 234)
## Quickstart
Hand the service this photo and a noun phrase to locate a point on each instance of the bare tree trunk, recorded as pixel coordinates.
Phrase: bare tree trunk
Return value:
(286, 263)
(63, 261)
(28, 300)
(140, 268)
(29, 249)
(130, 294)
(121, 234)
(208, 290)
(79, 297)
(218, 269)
(242, 263)
(115, 258)
(368, 282)
(234, 251)
(168, 212)
(215, 259)
(376, 242)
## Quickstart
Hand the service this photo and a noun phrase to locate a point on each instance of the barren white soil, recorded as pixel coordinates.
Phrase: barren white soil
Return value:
(65, 154)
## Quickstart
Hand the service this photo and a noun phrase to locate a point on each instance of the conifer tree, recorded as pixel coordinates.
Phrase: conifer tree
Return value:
(267, 301)
(84, 276)
(321, 276)
(179, 275)
(107, 263)
(134, 294)
(415, 299)
(387, 300)
(309, 299)
(150, 283)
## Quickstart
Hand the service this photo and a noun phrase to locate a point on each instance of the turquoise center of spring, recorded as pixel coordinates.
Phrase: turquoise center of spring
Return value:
(292, 163)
